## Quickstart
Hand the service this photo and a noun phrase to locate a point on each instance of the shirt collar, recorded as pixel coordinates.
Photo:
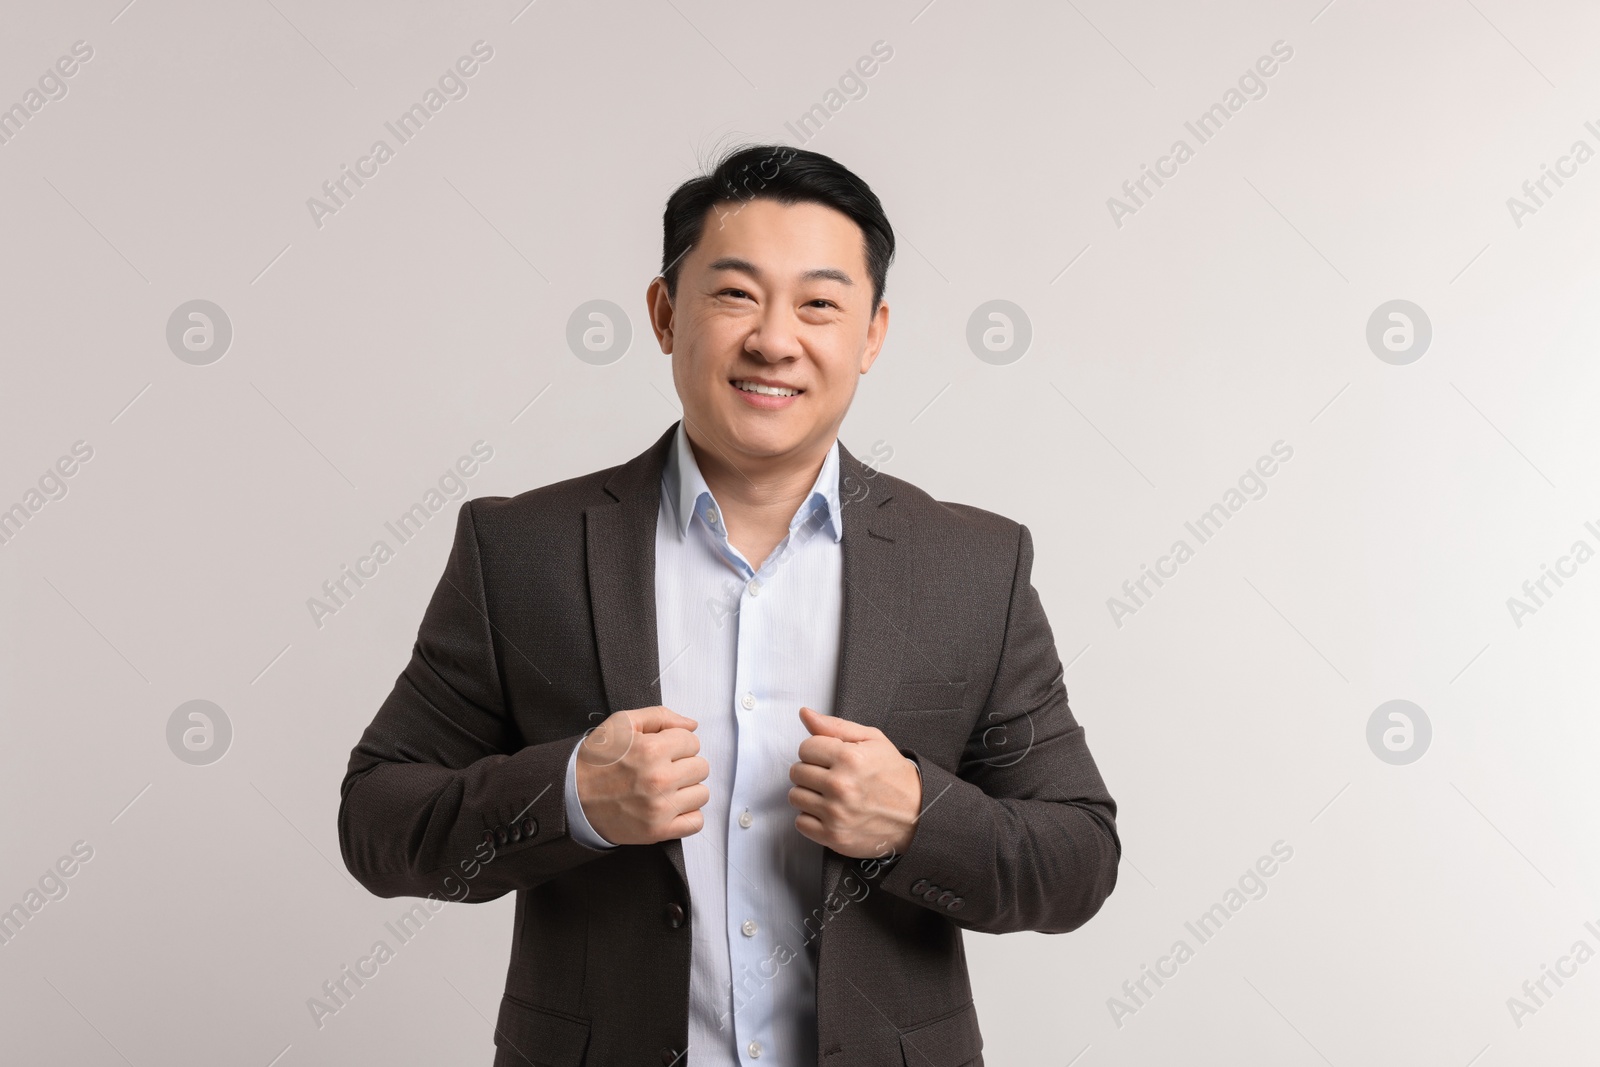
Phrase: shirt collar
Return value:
(686, 487)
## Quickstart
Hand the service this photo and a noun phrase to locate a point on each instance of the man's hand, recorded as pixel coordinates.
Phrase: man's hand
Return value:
(639, 776)
(854, 789)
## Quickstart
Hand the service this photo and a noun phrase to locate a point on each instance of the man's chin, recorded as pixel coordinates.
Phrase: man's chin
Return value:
(766, 436)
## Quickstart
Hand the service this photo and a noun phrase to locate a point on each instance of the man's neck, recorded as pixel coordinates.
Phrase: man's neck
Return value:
(758, 496)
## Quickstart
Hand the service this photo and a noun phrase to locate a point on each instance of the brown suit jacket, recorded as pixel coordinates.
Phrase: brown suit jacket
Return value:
(544, 623)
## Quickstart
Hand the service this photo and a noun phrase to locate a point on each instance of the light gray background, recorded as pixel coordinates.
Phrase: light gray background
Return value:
(1168, 354)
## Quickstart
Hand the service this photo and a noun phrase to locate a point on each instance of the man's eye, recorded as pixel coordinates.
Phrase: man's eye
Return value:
(824, 302)
(733, 292)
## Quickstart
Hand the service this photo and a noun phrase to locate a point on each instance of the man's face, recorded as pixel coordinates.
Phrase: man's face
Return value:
(775, 295)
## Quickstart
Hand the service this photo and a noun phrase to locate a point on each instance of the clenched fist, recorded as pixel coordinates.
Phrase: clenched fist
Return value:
(854, 790)
(639, 777)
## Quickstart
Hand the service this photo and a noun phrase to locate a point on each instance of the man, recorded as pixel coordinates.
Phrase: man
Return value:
(752, 730)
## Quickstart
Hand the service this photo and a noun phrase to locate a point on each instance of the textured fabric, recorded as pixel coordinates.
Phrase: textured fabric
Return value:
(544, 622)
(745, 648)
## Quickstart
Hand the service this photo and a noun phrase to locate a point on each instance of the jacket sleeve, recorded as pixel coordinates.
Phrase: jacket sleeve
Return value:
(441, 798)
(1024, 836)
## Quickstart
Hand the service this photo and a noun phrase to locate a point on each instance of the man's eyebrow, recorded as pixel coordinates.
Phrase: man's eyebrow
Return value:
(744, 266)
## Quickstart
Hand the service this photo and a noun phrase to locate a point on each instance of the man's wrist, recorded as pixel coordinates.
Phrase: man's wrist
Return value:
(911, 828)
(578, 826)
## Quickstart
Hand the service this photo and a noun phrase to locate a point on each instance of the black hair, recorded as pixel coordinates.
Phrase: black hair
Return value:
(788, 176)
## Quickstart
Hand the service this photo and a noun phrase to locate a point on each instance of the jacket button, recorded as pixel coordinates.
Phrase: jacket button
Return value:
(668, 1057)
(955, 905)
(945, 898)
(919, 885)
(488, 837)
(674, 915)
(500, 835)
(932, 891)
(530, 827)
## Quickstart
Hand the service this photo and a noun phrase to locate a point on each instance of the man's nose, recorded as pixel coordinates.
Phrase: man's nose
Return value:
(776, 335)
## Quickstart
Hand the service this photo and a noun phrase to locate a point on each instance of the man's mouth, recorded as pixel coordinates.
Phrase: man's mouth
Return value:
(762, 389)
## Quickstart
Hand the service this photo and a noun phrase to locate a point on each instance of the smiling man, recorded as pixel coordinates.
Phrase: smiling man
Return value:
(752, 730)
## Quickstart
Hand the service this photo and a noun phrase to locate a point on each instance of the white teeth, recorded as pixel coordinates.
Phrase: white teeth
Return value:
(765, 390)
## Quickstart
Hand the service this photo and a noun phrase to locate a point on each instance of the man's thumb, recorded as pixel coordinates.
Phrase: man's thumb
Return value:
(833, 726)
(654, 720)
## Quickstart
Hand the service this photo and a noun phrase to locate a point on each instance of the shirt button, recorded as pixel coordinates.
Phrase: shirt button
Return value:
(749, 928)
(755, 1050)
(755, 587)
(744, 819)
(749, 701)
(711, 515)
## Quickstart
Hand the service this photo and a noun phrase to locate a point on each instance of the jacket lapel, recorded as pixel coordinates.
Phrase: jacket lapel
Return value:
(877, 599)
(620, 538)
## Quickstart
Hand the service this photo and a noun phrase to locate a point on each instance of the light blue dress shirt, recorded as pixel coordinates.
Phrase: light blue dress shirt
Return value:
(741, 650)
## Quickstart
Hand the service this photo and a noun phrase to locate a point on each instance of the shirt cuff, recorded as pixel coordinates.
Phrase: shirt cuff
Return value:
(577, 825)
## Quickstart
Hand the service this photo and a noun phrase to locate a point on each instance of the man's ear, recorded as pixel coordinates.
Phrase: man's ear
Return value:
(658, 305)
(877, 330)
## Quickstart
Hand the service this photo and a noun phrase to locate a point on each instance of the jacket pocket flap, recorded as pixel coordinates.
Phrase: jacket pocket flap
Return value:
(931, 696)
(947, 1042)
(538, 1036)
